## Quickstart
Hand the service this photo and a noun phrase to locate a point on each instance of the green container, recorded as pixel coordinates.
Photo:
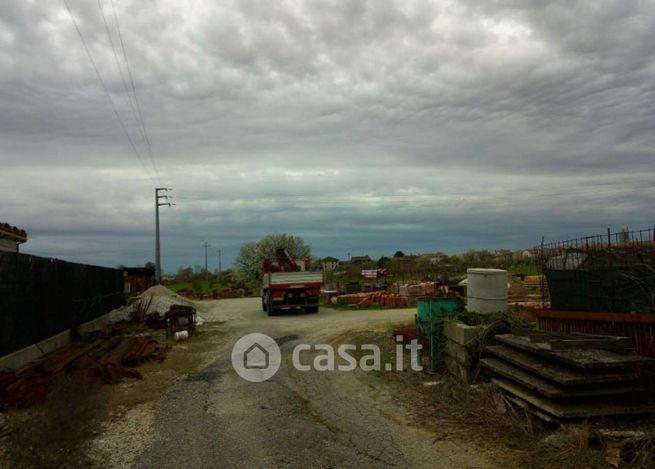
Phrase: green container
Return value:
(430, 309)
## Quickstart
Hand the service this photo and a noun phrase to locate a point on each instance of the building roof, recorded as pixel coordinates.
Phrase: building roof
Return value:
(330, 259)
(13, 233)
(360, 258)
(404, 258)
(503, 252)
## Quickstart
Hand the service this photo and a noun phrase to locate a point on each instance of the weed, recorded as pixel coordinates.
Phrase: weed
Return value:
(510, 441)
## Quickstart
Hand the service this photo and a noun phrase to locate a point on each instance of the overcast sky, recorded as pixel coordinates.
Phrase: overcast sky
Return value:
(363, 126)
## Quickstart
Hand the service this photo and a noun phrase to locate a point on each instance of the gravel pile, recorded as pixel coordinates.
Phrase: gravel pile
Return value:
(160, 299)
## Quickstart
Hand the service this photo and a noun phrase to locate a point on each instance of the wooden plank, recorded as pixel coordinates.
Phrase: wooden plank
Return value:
(568, 410)
(549, 389)
(555, 372)
(579, 358)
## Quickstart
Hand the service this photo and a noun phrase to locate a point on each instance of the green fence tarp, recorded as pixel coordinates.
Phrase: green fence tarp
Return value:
(41, 297)
(618, 290)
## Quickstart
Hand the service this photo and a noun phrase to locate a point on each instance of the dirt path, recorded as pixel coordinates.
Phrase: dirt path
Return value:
(214, 418)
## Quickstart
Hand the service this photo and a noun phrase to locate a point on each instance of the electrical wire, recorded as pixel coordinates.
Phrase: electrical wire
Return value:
(136, 97)
(106, 90)
(198, 194)
(120, 68)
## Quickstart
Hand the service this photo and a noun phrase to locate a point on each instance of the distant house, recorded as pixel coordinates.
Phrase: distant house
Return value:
(330, 264)
(11, 237)
(434, 257)
(528, 254)
(504, 255)
(405, 260)
(359, 260)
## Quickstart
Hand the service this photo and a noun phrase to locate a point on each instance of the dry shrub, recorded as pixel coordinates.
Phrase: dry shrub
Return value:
(513, 428)
(58, 432)
(642, 454)
(566, 448)
(455, 401)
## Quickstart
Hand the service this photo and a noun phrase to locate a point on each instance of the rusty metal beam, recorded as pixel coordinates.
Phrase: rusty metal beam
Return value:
(642, 318)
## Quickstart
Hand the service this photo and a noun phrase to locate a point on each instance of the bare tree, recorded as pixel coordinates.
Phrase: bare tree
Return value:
(249, 261)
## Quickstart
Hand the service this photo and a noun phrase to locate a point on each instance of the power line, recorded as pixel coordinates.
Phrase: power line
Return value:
(358, 197)
(120, 69)
(136, 97)
(104, 87)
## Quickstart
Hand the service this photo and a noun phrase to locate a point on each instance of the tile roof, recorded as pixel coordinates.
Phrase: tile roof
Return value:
(9, 231)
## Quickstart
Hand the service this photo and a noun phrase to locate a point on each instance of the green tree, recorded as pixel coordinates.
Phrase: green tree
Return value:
(478, 258)
(249, 261)
(184, 274)
(383, 262)
(423, 262)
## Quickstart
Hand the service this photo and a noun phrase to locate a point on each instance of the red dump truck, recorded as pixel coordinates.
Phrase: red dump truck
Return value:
(288, 286)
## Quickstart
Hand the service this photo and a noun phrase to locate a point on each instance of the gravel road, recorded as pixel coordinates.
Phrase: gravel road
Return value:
(214, 418)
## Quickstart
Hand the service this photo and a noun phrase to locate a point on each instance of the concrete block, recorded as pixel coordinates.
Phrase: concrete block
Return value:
(462, 354)
(33, 352)
(461, 333)
(457, 370)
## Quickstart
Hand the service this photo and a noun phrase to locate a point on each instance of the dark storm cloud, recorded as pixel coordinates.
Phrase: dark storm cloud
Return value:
(365, 126)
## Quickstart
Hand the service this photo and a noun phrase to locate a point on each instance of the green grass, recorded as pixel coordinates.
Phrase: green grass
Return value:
(525, 269)
(197, 286)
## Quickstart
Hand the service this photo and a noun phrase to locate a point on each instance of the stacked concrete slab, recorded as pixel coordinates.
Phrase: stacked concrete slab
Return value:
(566, 376)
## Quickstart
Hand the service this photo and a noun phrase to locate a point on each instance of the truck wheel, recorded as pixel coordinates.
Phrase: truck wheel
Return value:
(269, 306)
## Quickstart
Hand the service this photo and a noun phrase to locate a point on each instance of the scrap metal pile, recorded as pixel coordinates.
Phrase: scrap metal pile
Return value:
(108, 358)
(567, 376)
(177, 318)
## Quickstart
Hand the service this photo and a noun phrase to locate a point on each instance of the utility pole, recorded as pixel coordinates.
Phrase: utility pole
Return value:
(206, 246)
(158, 203)
(220, 267)
(207, 277)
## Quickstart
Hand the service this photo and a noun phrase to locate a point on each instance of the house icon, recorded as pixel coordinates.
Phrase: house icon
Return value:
(256, 357)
